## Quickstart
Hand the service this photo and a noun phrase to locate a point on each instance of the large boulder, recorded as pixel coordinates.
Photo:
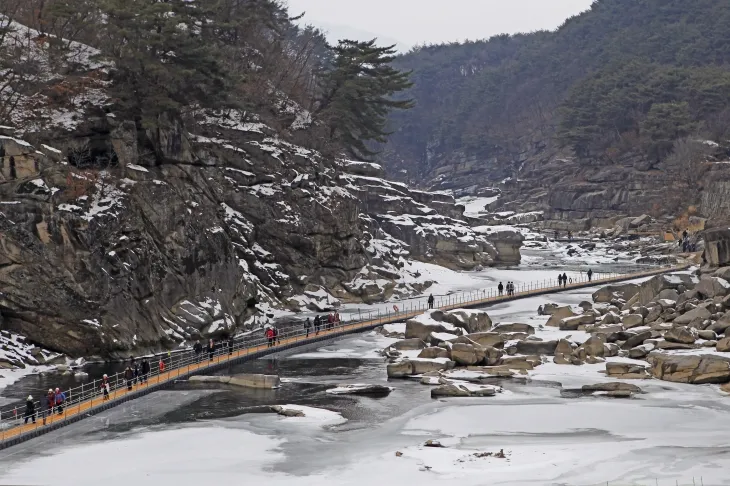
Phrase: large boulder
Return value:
(409, 344)
(470, 321)
(537, 347)
(559, 314)
(668, 294)
(460, 390)
(697, 314)
(721, 325)
(632, 320)
(610, 293)
(493, 339)
(434, 352)
(680, 334)
(636, 340)
(594, 347)
(651, 288)
(627, 371)
(417, 366)
(694, 369)
(466, 354)
(420, 330)
(717, 247)
(723, 345)
(642, 351)
(514, 328)
(575, 322)
(710, 287)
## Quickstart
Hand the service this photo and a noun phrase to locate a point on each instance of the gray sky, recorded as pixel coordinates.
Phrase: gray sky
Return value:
(412, 22)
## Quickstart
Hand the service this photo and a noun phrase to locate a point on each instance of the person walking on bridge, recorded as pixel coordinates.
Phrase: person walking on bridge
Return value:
(144, 370)
(590, 274)
(269, 337)
(307, 326)
(51, 403)
(231, 343)
(29, 409)
(565, 280)
(105, 386)
(430, 301)
(560, 280)
(500, 289)
(317, 324)
(128, 377)
(60, 398)
(211, 350)
(197, 349)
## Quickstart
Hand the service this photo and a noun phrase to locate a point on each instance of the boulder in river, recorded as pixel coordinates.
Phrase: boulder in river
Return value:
(360, 389)
(421, 330)
(417, 366)
(464, 390)
(693, 369)
(558, 315)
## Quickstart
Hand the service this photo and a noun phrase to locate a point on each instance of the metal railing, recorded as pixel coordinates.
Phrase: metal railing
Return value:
(182, 362)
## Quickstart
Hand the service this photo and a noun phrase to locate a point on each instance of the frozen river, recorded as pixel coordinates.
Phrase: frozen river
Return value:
(672, 434)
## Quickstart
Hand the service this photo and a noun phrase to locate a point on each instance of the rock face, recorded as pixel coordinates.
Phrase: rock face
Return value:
(190, 228)
(690, 369)
(717, 247)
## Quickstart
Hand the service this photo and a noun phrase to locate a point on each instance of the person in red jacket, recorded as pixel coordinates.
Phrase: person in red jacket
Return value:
(270, 336)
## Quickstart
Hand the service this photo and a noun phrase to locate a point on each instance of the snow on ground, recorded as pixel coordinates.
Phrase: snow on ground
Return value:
(313, 415)
(475, 206)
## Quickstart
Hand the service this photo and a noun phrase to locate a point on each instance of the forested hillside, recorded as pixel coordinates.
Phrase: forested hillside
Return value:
(626, 77)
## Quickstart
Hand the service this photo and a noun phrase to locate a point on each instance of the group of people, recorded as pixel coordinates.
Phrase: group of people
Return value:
(272, 336)
(211, 348)
(55, 400)
(563, 280)
(133, 373)
(509, 288)
(687, 243)
(570, 235)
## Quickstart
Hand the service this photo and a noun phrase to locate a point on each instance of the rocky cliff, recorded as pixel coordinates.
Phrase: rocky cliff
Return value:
(116, 238)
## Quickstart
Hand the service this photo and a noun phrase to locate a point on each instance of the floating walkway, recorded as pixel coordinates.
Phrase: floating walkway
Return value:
(87, 399)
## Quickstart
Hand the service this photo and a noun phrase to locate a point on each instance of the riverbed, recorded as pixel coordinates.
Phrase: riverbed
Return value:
(203, 434)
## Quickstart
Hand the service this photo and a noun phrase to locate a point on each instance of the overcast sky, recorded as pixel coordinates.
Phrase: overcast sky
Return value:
(413, 22)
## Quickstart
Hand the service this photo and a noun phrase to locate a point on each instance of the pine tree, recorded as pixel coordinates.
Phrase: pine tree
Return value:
(357, 95)
(163, 59)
